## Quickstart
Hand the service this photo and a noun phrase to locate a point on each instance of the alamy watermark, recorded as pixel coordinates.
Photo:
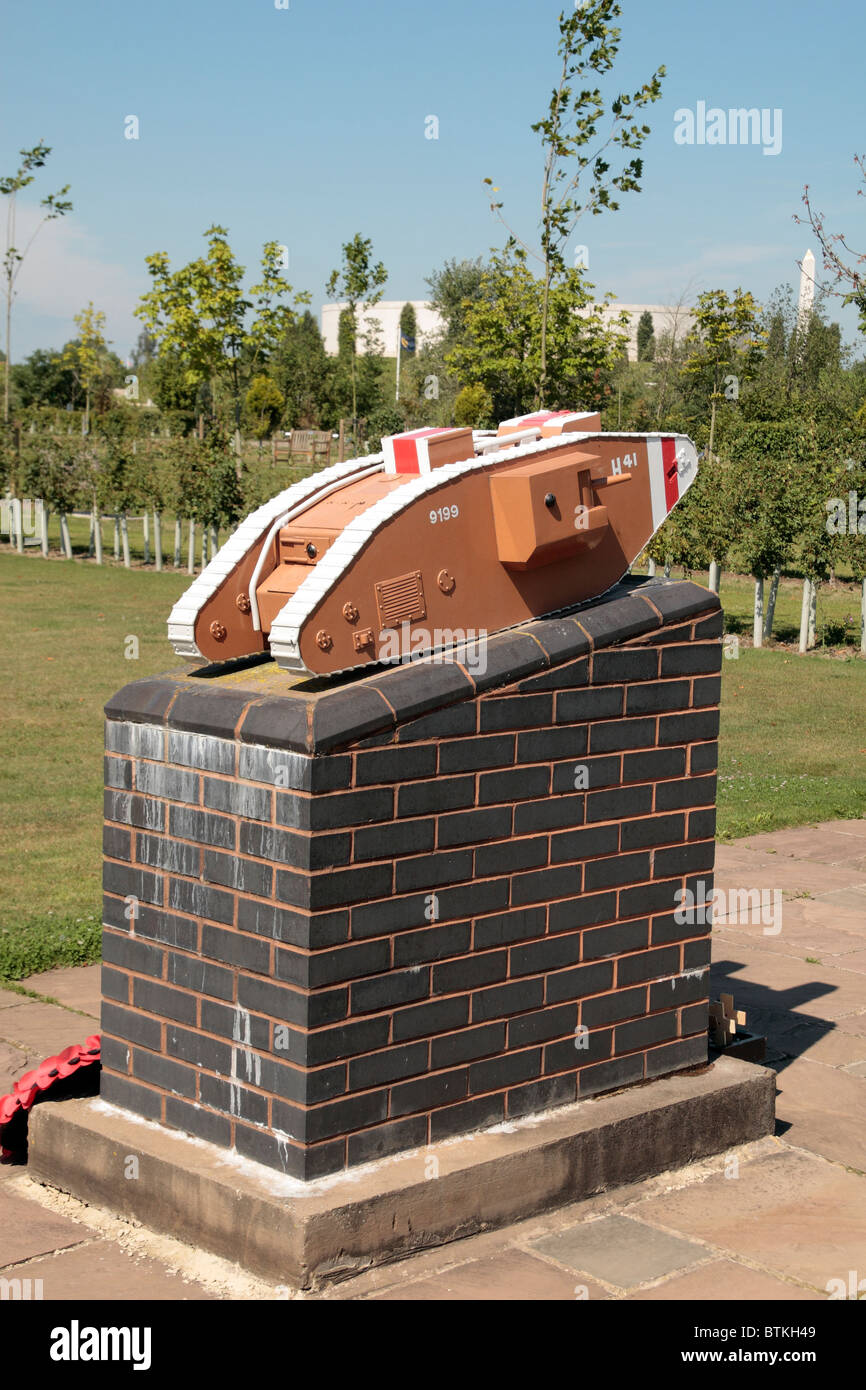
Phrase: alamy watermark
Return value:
(759, 906)
(736, 126)
(408, 643)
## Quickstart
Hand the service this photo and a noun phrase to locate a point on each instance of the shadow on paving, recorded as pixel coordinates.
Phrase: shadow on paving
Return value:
(771, 1012)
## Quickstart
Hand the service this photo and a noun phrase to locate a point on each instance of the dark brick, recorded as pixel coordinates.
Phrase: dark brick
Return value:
(695, 1019)
(335, 888)
(335, 810)
(199, 900)
(619, 803)
(347, 1040)
(541, 1095)
(586, 774)
(713, 626)
(117, 772)
(687, 728)
(294, 928)
(115, 1055)
(690, 1052)
(163, 852)
(202, 751)
(626, 664)
(422, 686)
(682, 989)
(188, 823)
(615, 618)
(586, 911)
(611, 1008)
(542, 1025)
(337, 1116)
(168, 1003)
(284, 846)
(382, 1140)
(301, 1163)
(172, 783)
(222, 794)
(432, 870)
(517, 784)
(234, 1098)
(649, 897)
(561, 638)
(657, 697)
(115, 985)
(666, 928)
(691, 660)
(505, 927)
(394, 838)
(277, 723)
(443, 794)
(514, 712)
(621, 733)
(204, 1124)
(393, 915)
(345, 716)
(510, 656)
(578, 1051)
(466, 1045)
(544, 884)
(647, 965)
(502, 1000)
(235, 948)
(470, 1115)
(473, 899)
(548, 954)
(117, 1090)
(208, 711)
(159, 1071)
(437, 1017)
(685, 859)
(614, 940)
(395, 764)
(167, 928)
(244, 874)
(296, 1083)
(508, 1070)
(679, 599)
(703, 757)
(470, 827)
(392, 1064)
(643, 1032)
(428, 1092)
(696, 954)
(131, 954)
(198, 1048)
(386, 991)
(610, 1076)
(227, 1022)
(706, 690)
(579, 982)
(543, 745)
(549, 814)
(116, 843)
(432, 943)
(443, 723)
(586, 843)
(616, 870)
(653, 830)
(470, 754)
(127, 882)
(602, 702)
(144, 701)
(201, 976)
(572, 674)
(131, 1026)
(655, 765)
(691, 791)
(470, 971)
(510, 856)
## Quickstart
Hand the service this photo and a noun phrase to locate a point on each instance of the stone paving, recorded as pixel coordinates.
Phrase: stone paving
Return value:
(776, 1219)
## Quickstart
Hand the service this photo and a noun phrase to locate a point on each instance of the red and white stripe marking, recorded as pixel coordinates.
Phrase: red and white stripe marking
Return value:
(410, 452)
(673, 464)
(552, 422)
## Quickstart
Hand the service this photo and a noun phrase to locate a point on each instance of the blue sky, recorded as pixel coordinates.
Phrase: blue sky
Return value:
(307, 124)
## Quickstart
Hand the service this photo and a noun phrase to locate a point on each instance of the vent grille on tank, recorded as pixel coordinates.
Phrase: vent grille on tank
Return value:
(401, 600)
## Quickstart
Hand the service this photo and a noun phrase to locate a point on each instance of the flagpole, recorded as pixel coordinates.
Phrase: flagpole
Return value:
(399, 338)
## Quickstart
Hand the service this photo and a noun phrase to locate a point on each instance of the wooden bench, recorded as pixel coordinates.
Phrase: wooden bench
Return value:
(306, 443)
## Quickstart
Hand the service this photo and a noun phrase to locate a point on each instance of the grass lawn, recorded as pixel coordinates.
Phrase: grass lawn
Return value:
(793, 741)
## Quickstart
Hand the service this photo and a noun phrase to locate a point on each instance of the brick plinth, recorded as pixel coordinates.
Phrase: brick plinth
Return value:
(343, 921)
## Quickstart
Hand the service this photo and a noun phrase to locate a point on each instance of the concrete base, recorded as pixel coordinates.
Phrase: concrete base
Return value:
(306, 1234)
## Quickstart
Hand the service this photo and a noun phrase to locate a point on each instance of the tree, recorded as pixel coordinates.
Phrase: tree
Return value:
(360, 282)
(502, 347)
(577, 176)
(452, 290)
(55, 204)
(200, 314)
(304, 374)
(86, 355)
(474, 408)
(835, 248)
(44, 379)
(264, 404)
(408, 322)
(646, 337)
(724, 346)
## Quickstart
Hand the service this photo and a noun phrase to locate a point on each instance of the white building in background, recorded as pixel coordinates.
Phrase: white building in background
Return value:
(387, 313)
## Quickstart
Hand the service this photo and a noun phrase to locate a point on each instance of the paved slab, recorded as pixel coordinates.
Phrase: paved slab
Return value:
(43, 1029)
(26, 1230)
(77, 987)
(723, 1281)
(102, 1270)
(826, 1109)
(513, 1276)
(621, 1251)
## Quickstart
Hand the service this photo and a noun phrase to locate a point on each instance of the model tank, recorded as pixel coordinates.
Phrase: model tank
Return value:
(446, 531)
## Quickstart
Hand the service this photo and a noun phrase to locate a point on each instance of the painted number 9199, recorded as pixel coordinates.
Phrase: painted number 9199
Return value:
(444, 514)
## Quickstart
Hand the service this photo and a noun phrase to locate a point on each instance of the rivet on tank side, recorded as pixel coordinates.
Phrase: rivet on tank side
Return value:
(218, 632)
(363, 639)
(243, 603)
(446, 582)
(350, 612)
(324, 640)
